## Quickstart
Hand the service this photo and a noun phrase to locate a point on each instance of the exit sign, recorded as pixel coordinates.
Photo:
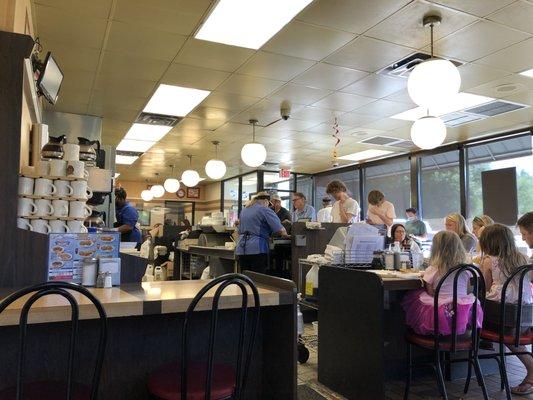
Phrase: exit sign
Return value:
(284, 173)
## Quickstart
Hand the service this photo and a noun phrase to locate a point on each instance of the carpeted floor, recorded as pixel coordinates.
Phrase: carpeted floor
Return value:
(306, 392)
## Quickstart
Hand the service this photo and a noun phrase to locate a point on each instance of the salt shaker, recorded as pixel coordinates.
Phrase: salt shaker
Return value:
(100, 280)
(108, 282)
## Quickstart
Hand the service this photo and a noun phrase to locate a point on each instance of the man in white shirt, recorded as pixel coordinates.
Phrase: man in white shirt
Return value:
(345, 209)
(324, 214)
(380, 211)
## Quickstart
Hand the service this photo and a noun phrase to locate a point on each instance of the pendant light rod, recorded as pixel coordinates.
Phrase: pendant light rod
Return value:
(431, 21)
(190, 159)
(253, 121)
(216, 143)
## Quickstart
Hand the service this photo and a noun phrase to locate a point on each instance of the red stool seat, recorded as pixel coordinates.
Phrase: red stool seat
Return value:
(493, 336)
(46, 390)
(428, 342)
(165, 382)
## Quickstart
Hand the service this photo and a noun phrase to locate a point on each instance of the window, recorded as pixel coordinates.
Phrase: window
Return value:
(394, 181)
(304, 184)
(231, 201)
(350, 179)
(439, 187)
(273, 183)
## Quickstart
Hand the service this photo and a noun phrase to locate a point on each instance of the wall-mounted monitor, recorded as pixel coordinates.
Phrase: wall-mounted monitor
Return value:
(50, 79)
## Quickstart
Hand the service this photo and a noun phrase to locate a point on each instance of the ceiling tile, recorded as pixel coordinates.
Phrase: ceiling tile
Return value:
(83, 59)
(518, 15)
(343, 101)
(376, 86)
(274, 66)
(326, 128)
(475, 74)
(388, 124)
(349, 15)
(516, 58)
(103, 99)
(213, 55)
(229, 101)
(401, 96)
(326, 76)
(368, 54)
(93, 9)
(119, 114)
(405, 26)
(313, 114)
(247, 85)
(522, 83)
(478, 40)
(383, 108)
(125, 87)
(219, 114)
(192, 124)
(265, 111)
(355, 119)
(302, 40)
(476, 7)
(74, 78)
(300, 94)
(193, 77)
(131, 67)
(133, 39)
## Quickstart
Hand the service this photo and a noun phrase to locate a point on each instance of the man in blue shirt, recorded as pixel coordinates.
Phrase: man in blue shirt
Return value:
(302, 210)
(256, 223)
(127, 217)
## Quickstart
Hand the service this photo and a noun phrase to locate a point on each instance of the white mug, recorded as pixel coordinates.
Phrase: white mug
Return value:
(40, 225)
(44, 187)
(60, 208)
(63, 188)
(71, 152)
(78, 209)
(58, 226)
(80, 190)
(26, 207)
(58, 167)
(76, 169)
(42, 168)
(43, 208)
(27, 170)
(76, 227)
(24, 223)
(26, 185)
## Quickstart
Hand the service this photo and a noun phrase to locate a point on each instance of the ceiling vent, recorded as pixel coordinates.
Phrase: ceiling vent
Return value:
(405, 144)
(496, 107)
(459, 118)
(157, 119)
(128, 153)
(381, 141)
(403, 67)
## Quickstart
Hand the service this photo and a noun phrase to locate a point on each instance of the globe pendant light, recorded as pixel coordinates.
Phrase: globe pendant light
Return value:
(190, 177)
(434, 81)
(428, 132)
(253, 154)
(214, 168)
(171, 184)
(157, 189)
(146, 194)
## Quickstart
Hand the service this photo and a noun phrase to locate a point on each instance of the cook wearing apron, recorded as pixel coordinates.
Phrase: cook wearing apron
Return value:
(257, 223)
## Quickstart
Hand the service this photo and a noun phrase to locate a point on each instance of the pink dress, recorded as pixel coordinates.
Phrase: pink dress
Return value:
(418, 305)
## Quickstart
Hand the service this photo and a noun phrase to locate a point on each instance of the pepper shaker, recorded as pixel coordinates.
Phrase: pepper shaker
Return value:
(108, 282)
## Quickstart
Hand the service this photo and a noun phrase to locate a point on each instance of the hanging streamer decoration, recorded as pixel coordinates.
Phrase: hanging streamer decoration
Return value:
(337, 139)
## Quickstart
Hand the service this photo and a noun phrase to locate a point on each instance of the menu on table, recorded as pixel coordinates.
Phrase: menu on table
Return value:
(66, 252)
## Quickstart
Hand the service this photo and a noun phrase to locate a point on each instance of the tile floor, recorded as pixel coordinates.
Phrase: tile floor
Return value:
(421, 389)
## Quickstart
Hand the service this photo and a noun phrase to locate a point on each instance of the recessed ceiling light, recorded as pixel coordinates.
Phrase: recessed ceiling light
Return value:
(459, 102)
(175, 100)
(149, 133)
(125, 160)
(139, 146)
(528, 73)
(248, 23)
(365, 155)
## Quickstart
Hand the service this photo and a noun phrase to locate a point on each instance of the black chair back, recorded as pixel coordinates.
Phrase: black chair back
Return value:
(61, 289)
(478, 291)
(244, 351)
(520, 273)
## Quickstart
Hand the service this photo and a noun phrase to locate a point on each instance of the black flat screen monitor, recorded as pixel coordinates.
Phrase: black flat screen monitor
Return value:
(50, 79)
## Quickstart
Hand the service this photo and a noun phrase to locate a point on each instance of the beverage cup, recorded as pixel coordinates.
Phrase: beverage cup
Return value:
(58, 226)
(60, 208)
(26, 185)
(43, 208)
(40, 225)
(58, 168)
(63, 188)
(26, 207)
(44, 187)
(78, 209)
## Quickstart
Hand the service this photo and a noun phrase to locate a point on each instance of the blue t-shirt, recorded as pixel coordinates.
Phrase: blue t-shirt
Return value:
(128, 215)
(256, 225)
(307, 213)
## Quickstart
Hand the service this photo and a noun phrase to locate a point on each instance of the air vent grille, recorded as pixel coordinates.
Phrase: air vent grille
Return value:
(402, 68)
(459, 118)
(380, 140)
(128, 153)
(494, 108)
(405, 144)
(157, 119)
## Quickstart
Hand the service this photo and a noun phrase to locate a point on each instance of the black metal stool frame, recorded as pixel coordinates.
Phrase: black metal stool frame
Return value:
(478, 287)
(61, 289)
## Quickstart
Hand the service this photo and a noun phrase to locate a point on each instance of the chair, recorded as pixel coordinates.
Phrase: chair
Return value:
(55, 390)
(194, 381)
(452, 343)
(503, 338)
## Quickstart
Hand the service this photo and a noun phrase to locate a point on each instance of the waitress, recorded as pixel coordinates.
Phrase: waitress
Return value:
(257, 223)
(127, 217)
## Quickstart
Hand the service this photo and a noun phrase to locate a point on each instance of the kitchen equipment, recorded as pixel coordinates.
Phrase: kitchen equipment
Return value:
(76, 169)
(71, 152)
(26, 207)
(26, 186)
(44, 187)
(54, 148)
(89, 270)
(88, 153)
(64, 188)
(96, 219)
(40, 225)
(43, 208)
(60, 208)
(58, 168)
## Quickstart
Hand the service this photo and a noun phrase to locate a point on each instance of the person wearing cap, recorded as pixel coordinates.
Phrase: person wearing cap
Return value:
(324, 214)
(127, 217)
(282, 213)
(302, 210)
(345, 209)
(256, 224)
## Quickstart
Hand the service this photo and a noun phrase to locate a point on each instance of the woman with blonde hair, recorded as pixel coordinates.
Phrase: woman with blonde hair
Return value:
(479, 223)
(447, 252)
(456, 223)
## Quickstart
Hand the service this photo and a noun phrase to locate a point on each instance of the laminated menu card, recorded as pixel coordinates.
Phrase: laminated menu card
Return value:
(66, 252)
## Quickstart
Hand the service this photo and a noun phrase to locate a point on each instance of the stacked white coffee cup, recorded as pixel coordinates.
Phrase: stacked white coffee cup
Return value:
(53, 194)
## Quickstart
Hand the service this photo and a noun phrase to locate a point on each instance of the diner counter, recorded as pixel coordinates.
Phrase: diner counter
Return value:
(218, 251)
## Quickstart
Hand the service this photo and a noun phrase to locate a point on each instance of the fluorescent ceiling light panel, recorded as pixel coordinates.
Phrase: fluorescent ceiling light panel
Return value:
(175, 100)
(459, 102)
(138, 146)
(528, 73)
(248, 23)
(365, 155)
(125, 160)
(148, 133)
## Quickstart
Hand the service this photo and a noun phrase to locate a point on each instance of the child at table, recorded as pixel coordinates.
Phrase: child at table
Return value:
(447, 252)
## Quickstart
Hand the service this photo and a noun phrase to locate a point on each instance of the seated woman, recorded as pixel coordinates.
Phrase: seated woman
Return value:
(478, 224)
(502, 259)
(447, 252)
(457, 223)
(398, 234)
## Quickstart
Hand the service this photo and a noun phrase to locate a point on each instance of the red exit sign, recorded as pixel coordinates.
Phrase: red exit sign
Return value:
(284, 173)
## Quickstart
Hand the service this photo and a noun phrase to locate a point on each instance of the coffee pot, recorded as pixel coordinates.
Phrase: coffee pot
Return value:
(87, 151)
(54, 148)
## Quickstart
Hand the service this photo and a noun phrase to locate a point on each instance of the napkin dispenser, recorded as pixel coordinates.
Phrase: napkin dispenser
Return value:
(111, 265)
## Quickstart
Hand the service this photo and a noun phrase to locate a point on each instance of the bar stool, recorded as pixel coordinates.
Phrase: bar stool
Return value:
(186, 380)
(450, 344)
(500, 336)
(55, 390)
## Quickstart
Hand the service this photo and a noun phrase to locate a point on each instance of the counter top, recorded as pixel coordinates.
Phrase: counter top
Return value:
(136, 300)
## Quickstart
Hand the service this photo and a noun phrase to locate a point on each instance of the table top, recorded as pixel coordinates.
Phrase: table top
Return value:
(137, 300)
